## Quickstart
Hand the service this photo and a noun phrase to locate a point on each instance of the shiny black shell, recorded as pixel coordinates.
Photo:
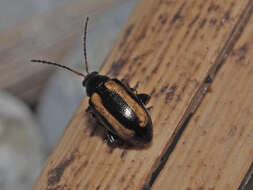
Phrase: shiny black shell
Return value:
(119, 109)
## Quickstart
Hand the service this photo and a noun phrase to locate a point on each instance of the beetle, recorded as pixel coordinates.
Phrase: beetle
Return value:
(116, 106)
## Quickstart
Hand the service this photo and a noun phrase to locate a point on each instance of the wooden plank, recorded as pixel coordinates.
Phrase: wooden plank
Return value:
(216, 149)
(168, 47)
(49, 35)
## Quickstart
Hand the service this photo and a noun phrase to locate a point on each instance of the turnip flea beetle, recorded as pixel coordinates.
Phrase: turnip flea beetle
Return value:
(115, 105)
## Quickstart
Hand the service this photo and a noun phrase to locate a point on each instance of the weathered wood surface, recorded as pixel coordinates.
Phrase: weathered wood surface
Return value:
(169, 47)
(216, 149)
(48, 36)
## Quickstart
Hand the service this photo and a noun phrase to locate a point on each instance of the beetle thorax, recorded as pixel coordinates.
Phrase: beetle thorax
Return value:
(93, 81)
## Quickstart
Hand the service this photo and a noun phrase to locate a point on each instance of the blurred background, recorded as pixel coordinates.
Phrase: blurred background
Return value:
(37, 101)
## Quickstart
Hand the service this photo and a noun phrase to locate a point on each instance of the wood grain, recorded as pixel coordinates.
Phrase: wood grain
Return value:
(169, 47)
(50, 35)
(216, 149)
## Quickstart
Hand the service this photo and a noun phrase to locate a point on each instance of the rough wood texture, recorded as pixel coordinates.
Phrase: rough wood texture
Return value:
(49, 36)
(216, 149)
(169, 47)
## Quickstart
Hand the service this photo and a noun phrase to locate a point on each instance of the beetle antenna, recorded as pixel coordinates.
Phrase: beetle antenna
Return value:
(84, 45)
(58, 65)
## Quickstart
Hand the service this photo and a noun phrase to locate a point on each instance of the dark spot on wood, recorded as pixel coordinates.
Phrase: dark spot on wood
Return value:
(200, 188)
(152, 92)
(163, 89)
(141, 35)
(225, 17)
(116, 67)
(169, 95)
(184, 37)
(163, 18)
(178, 14)
(98, 187)
(143, 70)
(126, 34)
(122, 179)
(123, 153)
(154, 71)
(202, 23)
(178, 98)
(54, 175)
(204, 132)
(202, 36)
(240, 53)
(213, 21)
(153, 29)
(184, 87)
(193, 21)
(188, 188)
(208, 79)
(244, 49)
(179, 45)
(168, 64)
(142, 55)
(213, 7)
(196, 32)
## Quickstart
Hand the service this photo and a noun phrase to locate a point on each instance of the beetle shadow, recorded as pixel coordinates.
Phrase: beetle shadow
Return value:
(95, 128)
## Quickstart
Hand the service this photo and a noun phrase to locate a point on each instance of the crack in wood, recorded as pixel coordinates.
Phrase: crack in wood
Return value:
(247, 178)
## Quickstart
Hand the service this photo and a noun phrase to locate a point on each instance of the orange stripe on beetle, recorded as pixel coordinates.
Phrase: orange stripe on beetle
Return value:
(124, 132)
(140, 112)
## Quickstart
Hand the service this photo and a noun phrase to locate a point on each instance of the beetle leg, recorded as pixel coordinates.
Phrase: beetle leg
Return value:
(89, 110)
(111, 137)
(125, 82)
(144, 98)
(113, 140)
(135, 87)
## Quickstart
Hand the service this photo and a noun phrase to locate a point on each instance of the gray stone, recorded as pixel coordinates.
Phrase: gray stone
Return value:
(21, 150)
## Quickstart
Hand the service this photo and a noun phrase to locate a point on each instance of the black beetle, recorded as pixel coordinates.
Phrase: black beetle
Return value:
(115, 105)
